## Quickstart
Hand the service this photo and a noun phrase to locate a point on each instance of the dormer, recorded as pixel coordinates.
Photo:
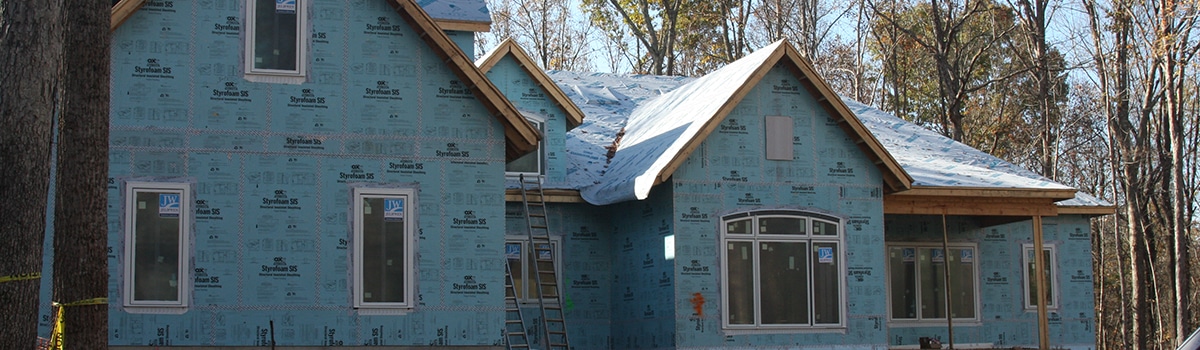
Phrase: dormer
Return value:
(542, 103)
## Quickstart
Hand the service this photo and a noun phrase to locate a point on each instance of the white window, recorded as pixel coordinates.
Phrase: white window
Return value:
(384, 258)
(783, 271)
(521, 262)
(275, 40)
(531, 164)
(1049, 271)
(917, 282)
(157, 234)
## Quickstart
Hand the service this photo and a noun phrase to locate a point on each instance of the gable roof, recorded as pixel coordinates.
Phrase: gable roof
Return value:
(940, 167)
(661, 133)
(510, 48)
(464, 15)
(520, 136)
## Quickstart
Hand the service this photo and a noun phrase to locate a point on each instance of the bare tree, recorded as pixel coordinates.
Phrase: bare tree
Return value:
(808, 24)
(1174, 47)
(653, 24)
(30, 53)
(1033, 18)
(547, 29)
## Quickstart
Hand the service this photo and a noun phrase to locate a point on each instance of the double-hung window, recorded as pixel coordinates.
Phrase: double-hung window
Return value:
(275, 40)
(157, 234)
(521, 264)
(531, 164)
(917, 282)
(784, 270)
(384, 257)
(1049, 272)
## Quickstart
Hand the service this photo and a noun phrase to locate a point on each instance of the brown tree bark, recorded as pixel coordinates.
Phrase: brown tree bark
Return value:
(30, 52)
(80, 212)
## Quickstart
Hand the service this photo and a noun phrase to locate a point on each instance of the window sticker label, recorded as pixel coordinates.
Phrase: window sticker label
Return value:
(825, 255)
(968, 256)
(393, 209)
(938, 255)
(910, 254)
(285, 7)
(168, 205)
(512, 251)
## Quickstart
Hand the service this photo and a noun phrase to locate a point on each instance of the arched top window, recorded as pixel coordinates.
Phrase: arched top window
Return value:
(783, 270)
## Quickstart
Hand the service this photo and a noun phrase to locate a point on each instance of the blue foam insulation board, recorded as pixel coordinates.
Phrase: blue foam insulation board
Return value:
(183, 112)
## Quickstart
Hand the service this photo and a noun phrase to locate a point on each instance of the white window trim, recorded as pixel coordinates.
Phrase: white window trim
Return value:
(184, 279)
(808, 238)
(540, 125)
(556, 248)
(940, 320)
(1027, 280)
(274, 75)
(410, 260)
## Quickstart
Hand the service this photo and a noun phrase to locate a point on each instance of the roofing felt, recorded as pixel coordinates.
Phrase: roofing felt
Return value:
(647, 109)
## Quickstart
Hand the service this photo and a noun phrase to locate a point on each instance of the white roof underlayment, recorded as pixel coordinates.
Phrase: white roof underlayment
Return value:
(458, 10)
(659, 114)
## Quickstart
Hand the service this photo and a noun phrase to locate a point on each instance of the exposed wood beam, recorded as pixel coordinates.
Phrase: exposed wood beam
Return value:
(970, 206)
(925, 191)
(122, 11)
(1039, 262)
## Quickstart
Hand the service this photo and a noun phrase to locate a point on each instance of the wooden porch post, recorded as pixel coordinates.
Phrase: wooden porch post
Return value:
(946, 274)
(1039, 265)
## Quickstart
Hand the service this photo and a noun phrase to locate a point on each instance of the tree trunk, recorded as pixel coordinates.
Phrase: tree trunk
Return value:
(81, 193)
(30, 52)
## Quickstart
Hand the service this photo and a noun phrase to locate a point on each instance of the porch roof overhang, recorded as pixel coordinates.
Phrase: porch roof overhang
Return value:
(922, 200)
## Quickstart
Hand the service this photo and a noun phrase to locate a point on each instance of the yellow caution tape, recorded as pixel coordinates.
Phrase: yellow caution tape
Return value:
(56, 335)
(21, 277)
(92, 301)
(60, 324)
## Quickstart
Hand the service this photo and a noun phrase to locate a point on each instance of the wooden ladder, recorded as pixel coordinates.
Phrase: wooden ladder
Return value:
(550, 298)
(514, 322)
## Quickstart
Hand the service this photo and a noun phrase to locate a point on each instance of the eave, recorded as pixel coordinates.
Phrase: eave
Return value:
(550, 196)
(463, 26)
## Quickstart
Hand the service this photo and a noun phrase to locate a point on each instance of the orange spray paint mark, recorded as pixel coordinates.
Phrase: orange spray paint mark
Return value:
(698, 304)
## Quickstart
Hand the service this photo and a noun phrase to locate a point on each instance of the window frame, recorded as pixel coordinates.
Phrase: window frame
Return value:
(410, 226)
(276, 75)
(976, 303)
(1028, 282)
(540, 125)
(129, 258)
(526, 270)
(809, 239)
